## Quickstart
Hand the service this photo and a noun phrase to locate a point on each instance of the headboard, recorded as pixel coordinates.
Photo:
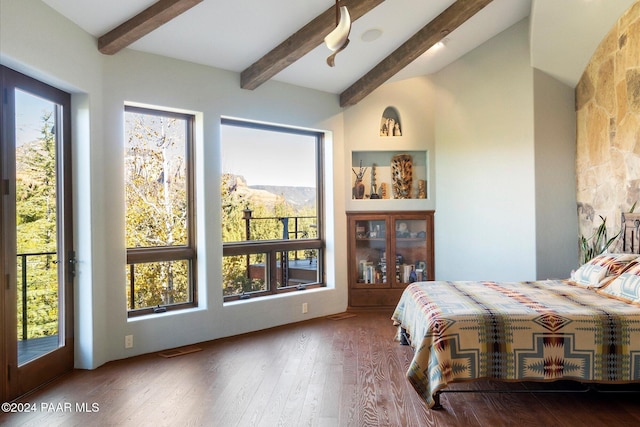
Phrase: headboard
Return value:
(630, 232)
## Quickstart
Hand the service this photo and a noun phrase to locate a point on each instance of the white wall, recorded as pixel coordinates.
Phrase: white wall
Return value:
(485, 176)
(40, 43)
(555, 160)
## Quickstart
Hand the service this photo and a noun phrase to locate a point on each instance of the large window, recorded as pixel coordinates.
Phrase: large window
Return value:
(160, 230)
(271, 209)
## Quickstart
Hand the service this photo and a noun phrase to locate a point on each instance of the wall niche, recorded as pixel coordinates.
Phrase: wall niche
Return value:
(390, 123)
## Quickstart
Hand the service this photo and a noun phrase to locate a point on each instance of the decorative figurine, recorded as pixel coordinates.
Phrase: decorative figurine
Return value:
(422, 189)
(402, 230)
(402, 176)
(396, 130)
(358, 186)
(374, 187)
(391, 123)
(413, 276)
(383, 191)
(390, 127)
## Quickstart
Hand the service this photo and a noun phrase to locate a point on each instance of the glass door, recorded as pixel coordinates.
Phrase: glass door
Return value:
(37, 257)
(371, 251)
(411, 249)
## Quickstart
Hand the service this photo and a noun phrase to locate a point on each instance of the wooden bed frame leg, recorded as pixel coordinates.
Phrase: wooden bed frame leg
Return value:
(436, 399)
(404, 337)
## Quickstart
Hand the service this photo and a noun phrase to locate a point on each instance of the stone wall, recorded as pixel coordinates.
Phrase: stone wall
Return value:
(608, 128)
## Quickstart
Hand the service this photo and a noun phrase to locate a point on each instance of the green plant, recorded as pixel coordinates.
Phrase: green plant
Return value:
(597, 243)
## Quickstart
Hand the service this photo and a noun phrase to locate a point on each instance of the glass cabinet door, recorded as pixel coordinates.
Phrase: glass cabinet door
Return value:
(411, 254)
(387, 250)
(371, 251)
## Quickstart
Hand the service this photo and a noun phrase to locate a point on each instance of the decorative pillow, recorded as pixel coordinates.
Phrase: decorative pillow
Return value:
(594, 273)
(626, 286)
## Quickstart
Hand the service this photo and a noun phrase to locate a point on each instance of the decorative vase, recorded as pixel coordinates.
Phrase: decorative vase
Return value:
(357, 191)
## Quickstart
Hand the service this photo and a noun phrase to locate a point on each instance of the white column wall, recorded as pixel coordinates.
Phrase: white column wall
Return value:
(485, 169)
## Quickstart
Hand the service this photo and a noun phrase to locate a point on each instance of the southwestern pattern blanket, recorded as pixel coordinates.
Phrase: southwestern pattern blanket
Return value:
(516, 331)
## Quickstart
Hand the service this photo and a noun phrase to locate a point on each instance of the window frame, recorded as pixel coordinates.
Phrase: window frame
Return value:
(187, 252)
(271, 248)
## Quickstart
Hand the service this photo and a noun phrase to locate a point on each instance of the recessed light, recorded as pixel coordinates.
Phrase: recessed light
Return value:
(371, 35)
(442, 43)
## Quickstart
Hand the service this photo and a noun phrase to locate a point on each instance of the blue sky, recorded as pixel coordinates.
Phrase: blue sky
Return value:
(29, 112)
(269, 158)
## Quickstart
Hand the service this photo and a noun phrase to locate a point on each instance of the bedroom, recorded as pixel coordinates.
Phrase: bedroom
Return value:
(467, 106)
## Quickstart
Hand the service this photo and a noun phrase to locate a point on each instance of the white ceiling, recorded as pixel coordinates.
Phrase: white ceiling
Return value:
(232, 35)
(565, 33)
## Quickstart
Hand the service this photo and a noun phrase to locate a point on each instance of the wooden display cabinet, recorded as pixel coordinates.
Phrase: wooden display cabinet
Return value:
(387, 251)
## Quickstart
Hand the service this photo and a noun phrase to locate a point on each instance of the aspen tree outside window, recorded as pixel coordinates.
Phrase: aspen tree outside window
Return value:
(159, 199)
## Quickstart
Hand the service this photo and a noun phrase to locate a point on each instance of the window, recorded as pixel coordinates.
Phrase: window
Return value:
(160, 227)
(271, 209)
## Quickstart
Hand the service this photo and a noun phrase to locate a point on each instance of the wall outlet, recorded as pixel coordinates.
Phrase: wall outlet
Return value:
(305, 307)
(128, 341)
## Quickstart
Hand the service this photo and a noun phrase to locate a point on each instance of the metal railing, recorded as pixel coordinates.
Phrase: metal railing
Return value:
(290, 239)
(287, 232)
(23, 266)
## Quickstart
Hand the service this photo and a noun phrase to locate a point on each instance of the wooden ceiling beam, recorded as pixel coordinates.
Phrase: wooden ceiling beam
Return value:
(454, 16)
(142, 24)
(300, 43)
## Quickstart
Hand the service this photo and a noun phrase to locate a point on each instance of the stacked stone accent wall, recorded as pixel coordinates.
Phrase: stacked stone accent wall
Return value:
(608, 128)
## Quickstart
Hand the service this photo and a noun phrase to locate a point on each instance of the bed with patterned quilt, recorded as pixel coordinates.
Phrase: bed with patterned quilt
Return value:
(585, 329)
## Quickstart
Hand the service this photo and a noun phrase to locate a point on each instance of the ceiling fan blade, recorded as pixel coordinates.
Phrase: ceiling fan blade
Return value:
(331, 58)
(337, 38)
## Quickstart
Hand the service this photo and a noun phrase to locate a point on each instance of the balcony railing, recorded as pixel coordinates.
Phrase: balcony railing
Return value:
(281, 256)
(38, 294)
(297, 229)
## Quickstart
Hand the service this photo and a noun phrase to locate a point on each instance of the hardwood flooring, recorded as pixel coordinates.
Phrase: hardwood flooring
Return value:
(321, 372)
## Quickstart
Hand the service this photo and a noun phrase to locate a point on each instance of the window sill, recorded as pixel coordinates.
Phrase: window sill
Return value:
(276, 296)
(169, 313)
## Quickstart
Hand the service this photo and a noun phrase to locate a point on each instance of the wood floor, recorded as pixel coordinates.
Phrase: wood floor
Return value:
(321, 372)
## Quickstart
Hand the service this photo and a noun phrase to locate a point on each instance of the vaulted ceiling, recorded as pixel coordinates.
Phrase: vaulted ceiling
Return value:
(390, 39)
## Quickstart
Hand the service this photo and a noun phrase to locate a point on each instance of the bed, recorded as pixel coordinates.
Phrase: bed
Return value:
(585, 329)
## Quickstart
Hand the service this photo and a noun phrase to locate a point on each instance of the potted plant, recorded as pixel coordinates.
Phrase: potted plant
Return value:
(597, 243)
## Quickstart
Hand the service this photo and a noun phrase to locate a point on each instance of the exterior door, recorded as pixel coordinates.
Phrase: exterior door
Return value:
(37, 258)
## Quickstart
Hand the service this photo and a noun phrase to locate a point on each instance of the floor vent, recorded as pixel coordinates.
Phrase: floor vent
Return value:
(341, 316)
(179, 351)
